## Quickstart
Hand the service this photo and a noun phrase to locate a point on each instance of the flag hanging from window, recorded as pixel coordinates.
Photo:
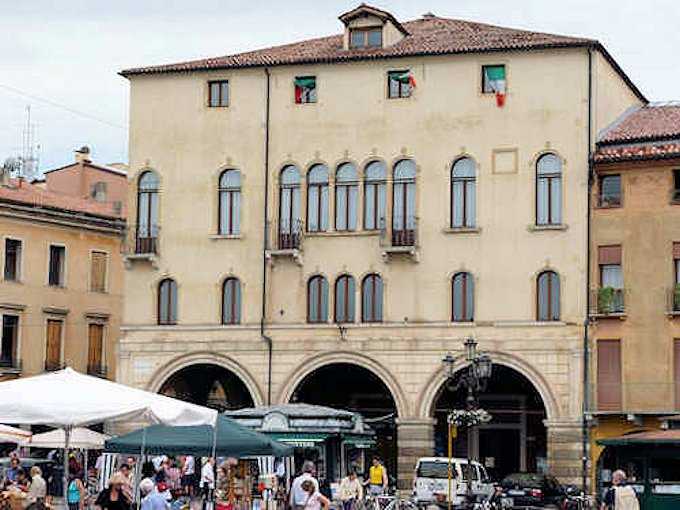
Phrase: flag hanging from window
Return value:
(305, 90)
(405, 78)
(495, 79)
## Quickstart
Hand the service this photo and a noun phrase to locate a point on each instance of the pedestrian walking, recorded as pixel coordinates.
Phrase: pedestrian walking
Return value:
(113, 498)
(315, 500)
(298, 496)
(207, 483)
(188, 475)
(377, 478)
(350, 490)
(620, 496)
(151, 499)
(75, 491)
(37, 490)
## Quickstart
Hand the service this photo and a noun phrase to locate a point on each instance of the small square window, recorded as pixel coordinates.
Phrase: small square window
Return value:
(305, 89)
(365, 38)
(609, 191)
(493, 79)
(400, 84)
(218, 93)
(675, 195)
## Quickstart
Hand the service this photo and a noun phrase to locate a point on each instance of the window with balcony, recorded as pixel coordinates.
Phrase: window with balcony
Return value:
(365, 37)
(12, 266)
(463, 194)
(57, 266)
(305, 89)
(609, 187)
(404, 204)
(290, 224)
(218, 93)
(95, 349)
(229, 220)
(317, 199)
(549, 190)
(54, 334)
(317, 299)
(548, 296)
(231, 301)
(146, 241)
(99, 261)
(463, 295)
(610, 294)
(10, 340)
(344, 299)
(372, 299)
(375, 203)
(346, 192)
(167, 302)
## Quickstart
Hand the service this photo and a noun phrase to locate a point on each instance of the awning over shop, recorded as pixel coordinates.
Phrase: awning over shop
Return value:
(649, 438)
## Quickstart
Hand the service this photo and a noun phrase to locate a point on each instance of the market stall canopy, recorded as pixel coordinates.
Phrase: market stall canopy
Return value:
(82, 438)
(12, 434)
(232, 440)
(646, 438)
(67, 398)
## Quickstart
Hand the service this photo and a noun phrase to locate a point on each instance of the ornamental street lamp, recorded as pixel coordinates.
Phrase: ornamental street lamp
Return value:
(474, 378)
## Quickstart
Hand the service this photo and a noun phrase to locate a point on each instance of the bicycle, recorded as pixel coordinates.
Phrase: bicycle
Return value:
(387, 502)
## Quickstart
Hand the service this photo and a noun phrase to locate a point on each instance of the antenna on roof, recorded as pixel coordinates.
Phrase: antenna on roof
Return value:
(27, 163)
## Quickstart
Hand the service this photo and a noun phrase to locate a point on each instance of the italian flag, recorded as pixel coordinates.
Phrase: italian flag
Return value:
(301, 84)
(405, 78)
(495, 77)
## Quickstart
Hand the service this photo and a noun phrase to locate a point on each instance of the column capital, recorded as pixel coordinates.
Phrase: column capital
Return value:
(415, 422)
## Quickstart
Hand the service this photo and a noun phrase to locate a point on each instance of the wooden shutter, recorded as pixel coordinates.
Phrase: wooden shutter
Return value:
(53, 350)
(676, 371)
(98, 272)
(609, 375)
(95, 345)
(609, 255)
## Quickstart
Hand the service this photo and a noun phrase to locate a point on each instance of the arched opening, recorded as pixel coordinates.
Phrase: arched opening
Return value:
(208, 385)
(515, 439)
(355, 388)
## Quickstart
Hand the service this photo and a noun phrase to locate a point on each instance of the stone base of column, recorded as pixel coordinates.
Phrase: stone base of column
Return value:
(565, 450)
(415, 439)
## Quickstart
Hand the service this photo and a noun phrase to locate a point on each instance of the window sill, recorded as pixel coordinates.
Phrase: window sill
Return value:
(600, 206)
(673, 314)
(217, 237)
(344, 233)
(543, 228)
(614, 315)
(13, 282)
(56, 287)
(461, 230)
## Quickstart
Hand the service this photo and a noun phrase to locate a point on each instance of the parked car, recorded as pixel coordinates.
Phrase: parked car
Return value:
(432, 479)
(533, 490)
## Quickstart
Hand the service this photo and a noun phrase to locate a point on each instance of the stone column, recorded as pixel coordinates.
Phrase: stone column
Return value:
(415, 439)
(565, 450)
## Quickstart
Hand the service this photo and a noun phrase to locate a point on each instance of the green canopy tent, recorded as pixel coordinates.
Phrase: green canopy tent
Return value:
(230, 440)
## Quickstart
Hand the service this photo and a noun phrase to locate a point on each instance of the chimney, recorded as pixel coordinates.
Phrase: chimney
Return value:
(83, 155)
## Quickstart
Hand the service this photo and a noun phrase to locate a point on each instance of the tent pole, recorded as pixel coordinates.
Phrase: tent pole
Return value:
(86, 477)
(138, 470)
(67, 443)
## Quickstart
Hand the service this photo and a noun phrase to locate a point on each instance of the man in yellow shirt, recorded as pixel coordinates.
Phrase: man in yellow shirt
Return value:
(377, 478)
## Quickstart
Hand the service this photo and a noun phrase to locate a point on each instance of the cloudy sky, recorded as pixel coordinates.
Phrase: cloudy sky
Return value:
(61, 57)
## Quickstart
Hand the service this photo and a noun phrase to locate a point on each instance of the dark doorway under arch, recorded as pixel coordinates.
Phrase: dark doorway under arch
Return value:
(355, 388)
(208, 385)
(515, 439)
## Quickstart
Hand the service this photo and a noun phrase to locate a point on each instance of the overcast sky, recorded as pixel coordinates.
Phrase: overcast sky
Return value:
(68, 52)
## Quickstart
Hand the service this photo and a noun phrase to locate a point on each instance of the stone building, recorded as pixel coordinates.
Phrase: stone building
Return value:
(323, 221)
(635, 276)
(61, 285)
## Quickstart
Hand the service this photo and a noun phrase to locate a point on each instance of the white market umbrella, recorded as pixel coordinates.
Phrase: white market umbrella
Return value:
(13, 435)
(81, 438)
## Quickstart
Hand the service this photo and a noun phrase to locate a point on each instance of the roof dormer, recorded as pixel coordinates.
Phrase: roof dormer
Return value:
(367, 27)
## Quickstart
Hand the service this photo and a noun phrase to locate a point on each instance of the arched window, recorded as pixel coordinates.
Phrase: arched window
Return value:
(344, 299)
(463, 190)
(404, 204)
(317, 199)
(317, 299)
(346, 190)
(230, 203)
(231, 301)
(548, 296)
(549, 190)
(167, 302)
(372, 299)
(463, 293)
(147, 213)
(375, 179)
(289, 208)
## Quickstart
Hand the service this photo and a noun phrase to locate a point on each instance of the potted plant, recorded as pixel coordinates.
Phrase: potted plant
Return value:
(605, 299)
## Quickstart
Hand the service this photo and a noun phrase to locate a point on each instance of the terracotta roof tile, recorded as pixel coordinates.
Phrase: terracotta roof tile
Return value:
(637, 152)
(650, 122)
(23, 192)
(427, 36)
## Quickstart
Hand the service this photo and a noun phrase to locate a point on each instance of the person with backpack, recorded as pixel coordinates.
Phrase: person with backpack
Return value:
(620, 496)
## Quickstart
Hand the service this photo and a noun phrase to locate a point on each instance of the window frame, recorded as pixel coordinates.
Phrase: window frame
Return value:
(229, 192)
(12, 362)
(373, 278)
(378, 186)
(404, 90)
(105, 287)
(92, 369)
(675, 187)
(483, 83)
(349, 297)
(322, 299)
(236, 301)
(322, 190)
(62, 333)
(401, 186)
(551, 179)
(173, 301)
(312, 95)
(220, 102)
(552, 278)
(147, 242)
(467, 183)
(62, 265)
(466, 280)
(365, 31)
(18, 259)
(345, 187)
(290, 238)
(609, 203)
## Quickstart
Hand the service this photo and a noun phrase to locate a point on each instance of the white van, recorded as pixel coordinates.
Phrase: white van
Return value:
(431, 478)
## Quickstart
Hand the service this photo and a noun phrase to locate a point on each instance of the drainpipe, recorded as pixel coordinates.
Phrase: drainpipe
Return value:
(265, 237)
(586, 322)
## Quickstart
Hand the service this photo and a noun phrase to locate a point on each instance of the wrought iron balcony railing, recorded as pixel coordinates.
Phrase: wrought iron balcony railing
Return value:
(607, 301)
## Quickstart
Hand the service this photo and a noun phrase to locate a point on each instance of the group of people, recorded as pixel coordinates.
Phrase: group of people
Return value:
(28, 492)
(305, 494)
